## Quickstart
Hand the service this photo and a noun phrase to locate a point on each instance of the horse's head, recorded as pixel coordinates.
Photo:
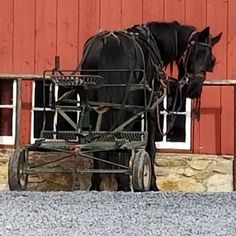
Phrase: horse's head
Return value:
(198, 59)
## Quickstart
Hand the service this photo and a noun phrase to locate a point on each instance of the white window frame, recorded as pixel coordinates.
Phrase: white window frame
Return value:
(33, 109)
(164, 144)
(10, 140)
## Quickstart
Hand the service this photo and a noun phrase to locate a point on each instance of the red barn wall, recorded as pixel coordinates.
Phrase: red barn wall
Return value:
(33, 32)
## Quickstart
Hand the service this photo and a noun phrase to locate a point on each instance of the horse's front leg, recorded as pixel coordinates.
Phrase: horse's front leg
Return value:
(151, 147)
(96, 178)
(123, 180)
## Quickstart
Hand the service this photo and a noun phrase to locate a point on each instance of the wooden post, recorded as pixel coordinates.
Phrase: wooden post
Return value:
(18, 113)
(234, 160)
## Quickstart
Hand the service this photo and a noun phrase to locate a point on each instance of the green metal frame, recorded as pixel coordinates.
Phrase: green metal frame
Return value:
(85, 140)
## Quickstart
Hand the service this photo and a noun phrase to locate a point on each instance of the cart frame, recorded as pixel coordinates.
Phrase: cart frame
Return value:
(83, 141)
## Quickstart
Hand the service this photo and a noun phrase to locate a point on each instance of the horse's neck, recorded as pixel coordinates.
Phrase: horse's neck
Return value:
(184, 35)
(173, 42)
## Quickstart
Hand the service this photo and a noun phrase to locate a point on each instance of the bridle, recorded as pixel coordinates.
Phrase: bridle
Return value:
(184, 59)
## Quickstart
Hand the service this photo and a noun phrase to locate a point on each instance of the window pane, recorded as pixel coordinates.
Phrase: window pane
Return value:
(6, 122)
(62, 124)
(39, 94)
(177, 133)
(6, 92)
(174, 104)
(38, 122)
(62, 91)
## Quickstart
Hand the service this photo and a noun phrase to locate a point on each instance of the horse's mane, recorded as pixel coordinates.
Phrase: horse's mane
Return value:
(171, 38)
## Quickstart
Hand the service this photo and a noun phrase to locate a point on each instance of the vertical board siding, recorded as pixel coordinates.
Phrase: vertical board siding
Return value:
(198, 19)
(132, 12)
(217, 20)
(220, 24)
(153, 10)
(174, 10)
(231, 39)
(24, 36)
(67, 33)
(23, 57)
(110, 15)
(6, 36)
(227, 134)
(45, 34)
(210, 127)
(196, 13)
(32, 32)
(89, 20)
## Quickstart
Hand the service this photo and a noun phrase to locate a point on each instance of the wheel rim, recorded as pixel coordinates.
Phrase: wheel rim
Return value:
(22, 175)
(141, 171)
(146, 176)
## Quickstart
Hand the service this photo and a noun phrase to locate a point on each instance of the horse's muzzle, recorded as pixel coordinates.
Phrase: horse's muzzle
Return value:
(194, 87)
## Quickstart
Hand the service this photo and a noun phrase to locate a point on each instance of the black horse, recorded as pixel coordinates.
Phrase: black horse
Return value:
(151, 47)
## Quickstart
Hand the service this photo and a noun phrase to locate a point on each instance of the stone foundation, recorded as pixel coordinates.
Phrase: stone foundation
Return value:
(4, 157)
(194, 173)
(175, 172)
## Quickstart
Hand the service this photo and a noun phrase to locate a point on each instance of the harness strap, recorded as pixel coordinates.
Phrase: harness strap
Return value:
(147, 37)
(131, 68)
(174, 111)
(87, 47)
(196, 110)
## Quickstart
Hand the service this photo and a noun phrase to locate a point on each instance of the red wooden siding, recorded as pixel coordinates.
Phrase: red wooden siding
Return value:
(231, 74)
(153, 10)
(45, 34)
(131, 12)
(6, 35)
(197, 18)
(67, 32)
(33, 32)
(89, 20)
(110, 21)
(174, 10)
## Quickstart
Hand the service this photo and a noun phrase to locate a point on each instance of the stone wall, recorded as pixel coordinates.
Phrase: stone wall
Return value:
(4, 157)
(175, 172)
(194, 172)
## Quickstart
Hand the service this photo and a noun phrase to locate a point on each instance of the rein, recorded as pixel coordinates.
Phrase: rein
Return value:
(187, 76)
(174, 110)
(136, 48)
(164, 80)
(183, 82)
(185, 56)
(160, 81)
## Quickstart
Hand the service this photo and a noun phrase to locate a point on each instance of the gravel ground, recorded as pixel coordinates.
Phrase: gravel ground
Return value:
(117, 213)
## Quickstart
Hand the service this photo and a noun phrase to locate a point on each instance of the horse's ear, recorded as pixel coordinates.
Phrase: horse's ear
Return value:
(216, 39)
(204, 34)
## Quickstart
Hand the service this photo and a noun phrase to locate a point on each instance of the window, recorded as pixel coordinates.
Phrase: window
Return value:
(179, 135)
(177, 138)
(54, 119)
(7, 111)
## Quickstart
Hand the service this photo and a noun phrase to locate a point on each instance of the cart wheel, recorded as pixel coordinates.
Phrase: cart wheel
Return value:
(17, 179)
(141, 171)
